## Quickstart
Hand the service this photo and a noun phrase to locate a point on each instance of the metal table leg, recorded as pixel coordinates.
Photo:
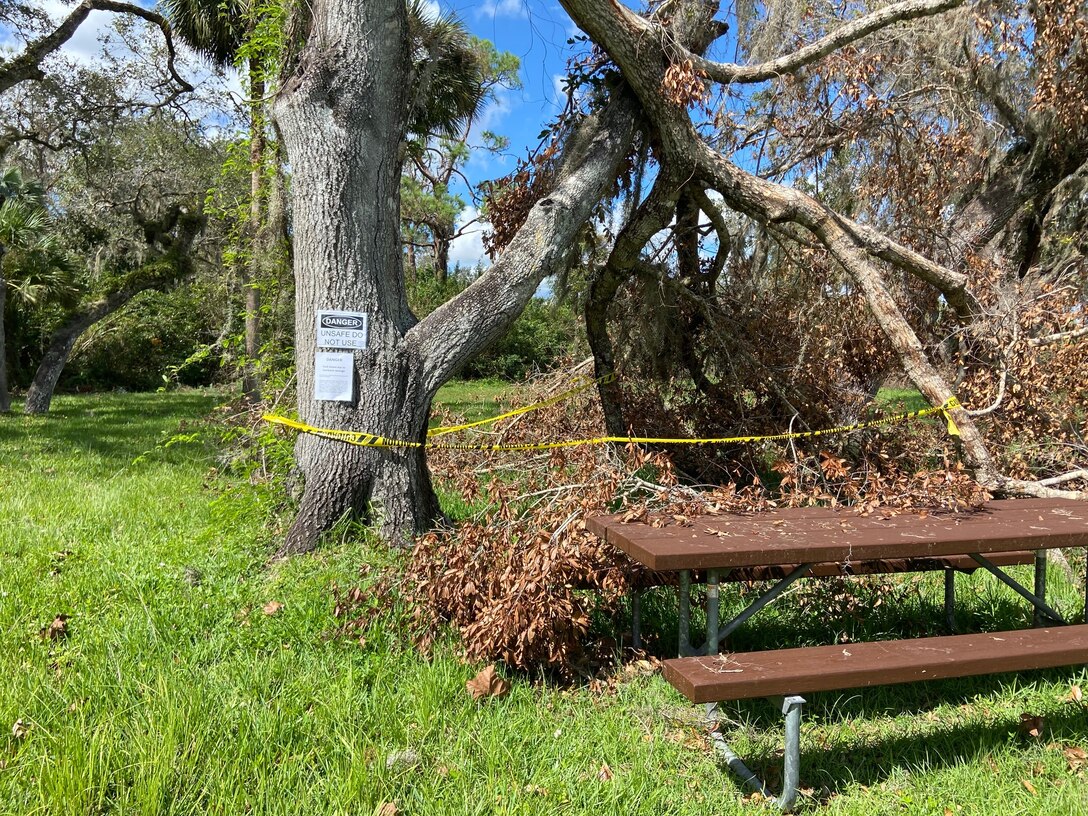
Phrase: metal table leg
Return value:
(1040, 586)
(791, 771)
(636, 618)
(1040, 605)
(712, 587)
(950, 599)
(764, 599)
(685, 647)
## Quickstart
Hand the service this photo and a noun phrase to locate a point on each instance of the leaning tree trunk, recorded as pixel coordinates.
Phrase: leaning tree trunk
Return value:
(342, 115)
(40, 395)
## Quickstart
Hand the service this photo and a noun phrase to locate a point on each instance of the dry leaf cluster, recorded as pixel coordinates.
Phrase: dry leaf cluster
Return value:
(683, 85)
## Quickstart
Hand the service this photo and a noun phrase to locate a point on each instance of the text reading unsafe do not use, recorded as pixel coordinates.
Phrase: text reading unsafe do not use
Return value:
(341, 330)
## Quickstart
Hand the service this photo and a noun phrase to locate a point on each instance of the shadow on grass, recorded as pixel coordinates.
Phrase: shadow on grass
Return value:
(858, 756)
(789, 623)
(117, 428)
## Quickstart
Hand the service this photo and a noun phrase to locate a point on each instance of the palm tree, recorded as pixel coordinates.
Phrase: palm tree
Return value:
(24, 223)
(443, 57)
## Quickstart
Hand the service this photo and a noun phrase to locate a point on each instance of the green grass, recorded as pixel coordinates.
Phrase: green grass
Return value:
(901, 399)
(473, 399)
(174, 693)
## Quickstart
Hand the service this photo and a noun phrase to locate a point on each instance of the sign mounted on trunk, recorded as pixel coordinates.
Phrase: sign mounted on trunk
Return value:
(342, 330)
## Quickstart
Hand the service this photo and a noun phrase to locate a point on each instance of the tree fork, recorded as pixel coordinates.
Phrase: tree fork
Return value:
(342, 113)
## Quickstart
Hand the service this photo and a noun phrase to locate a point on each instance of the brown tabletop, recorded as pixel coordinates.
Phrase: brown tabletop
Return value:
(819, 535)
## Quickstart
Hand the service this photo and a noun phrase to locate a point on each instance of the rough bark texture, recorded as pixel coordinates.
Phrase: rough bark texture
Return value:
(342, 115)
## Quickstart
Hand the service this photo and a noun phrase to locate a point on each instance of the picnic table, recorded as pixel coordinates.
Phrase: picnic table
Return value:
(794, 543)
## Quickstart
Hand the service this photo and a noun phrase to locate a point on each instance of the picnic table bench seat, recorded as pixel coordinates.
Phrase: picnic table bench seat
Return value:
(784, 674)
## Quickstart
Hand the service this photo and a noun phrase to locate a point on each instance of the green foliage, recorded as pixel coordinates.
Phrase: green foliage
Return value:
(544, 333)
(134, 349)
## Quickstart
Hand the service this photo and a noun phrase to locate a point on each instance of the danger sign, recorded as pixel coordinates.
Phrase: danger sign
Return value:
(341, 330)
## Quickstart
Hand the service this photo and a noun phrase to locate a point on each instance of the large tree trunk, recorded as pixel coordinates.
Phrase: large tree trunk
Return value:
(342, 115)
(342, 118)
(40, 395)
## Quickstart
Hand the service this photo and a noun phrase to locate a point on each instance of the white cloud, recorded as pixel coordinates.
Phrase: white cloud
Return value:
(467, 250)
(84, 46)
(502, 8)
(431, 10)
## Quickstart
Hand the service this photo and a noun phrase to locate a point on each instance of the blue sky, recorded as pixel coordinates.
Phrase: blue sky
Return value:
(536, 31)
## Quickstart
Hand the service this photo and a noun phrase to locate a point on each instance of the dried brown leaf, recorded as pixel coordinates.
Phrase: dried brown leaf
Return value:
(55, 630)
(272, 608)
(486, 684)
(1031, 725)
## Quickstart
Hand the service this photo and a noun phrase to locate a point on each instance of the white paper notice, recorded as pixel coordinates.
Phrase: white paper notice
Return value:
(334, 376)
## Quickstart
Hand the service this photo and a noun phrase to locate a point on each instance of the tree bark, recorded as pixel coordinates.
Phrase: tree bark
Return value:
(442, 239)
(652, 215)
(342, 115)
(643, 61)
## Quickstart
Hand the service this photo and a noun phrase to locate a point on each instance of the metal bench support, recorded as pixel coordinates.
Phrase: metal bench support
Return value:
(791, 768)
(1040, 586)
(1035, 599)
(716, 633)
(950, 600)
(685, 649)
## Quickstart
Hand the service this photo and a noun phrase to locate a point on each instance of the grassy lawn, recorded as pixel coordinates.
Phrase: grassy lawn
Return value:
(473, 399)
(176, 688)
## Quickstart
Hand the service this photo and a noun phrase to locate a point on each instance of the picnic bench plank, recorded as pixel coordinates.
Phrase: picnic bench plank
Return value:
(783, 538)
(854, 665)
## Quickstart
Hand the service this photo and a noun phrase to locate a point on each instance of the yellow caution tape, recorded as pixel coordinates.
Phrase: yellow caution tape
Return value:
(373, 441)
(448, 429)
